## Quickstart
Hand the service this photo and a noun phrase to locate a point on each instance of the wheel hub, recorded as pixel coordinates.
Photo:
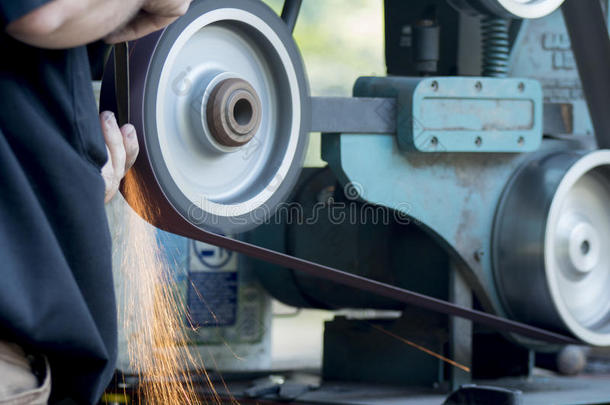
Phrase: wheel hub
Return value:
(578, 246)
(233, 112)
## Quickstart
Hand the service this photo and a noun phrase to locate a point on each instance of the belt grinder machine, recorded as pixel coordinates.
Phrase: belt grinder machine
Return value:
(476, 169)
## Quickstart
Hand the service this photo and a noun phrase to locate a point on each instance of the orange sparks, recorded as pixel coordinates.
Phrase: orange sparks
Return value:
(423, 349)
(153, 314)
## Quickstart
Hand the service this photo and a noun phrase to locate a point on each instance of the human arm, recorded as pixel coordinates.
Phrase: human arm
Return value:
(61, 24)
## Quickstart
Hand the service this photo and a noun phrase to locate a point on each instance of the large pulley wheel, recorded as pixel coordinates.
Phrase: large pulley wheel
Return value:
(552, 245)
(221, 104)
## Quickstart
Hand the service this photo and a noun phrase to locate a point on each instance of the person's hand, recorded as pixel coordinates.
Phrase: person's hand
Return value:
(154, 15)
(122, 147)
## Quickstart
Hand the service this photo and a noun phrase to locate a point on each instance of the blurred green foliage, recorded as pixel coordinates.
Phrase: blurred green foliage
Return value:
(340, 40)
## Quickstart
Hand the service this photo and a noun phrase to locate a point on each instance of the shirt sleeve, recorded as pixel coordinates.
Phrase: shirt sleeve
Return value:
(11, 10)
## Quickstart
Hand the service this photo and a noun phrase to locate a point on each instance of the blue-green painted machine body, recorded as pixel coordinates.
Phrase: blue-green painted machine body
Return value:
(459, 140)
(434, 170)
(451, 195)
(448, 164)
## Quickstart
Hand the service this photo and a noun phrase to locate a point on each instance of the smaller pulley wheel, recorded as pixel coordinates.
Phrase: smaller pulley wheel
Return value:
(221, 103)
(552, 245)
(526, 9)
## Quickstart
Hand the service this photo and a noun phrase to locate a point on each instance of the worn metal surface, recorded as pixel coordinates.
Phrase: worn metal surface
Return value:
(462, 114)
(377, 115)
(542, 51)
(454, 196)
(591, 47)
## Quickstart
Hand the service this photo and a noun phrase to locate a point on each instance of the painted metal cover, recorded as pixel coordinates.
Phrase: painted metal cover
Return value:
(462, 114)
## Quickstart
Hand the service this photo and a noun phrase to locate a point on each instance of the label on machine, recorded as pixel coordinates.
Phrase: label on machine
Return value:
(212, 291)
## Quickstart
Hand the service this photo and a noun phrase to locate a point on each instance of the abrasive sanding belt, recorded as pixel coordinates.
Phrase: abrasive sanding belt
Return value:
(170, 220)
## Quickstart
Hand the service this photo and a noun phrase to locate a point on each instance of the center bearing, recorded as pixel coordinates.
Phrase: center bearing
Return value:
(233, 112)
(578, 243)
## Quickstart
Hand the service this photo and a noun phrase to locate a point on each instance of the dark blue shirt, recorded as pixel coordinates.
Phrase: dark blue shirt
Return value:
(56, 289)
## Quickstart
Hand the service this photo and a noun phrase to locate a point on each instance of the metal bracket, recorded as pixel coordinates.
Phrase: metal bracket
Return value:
(462, 114)
(441, 114)
(377, 115)
(358, 115)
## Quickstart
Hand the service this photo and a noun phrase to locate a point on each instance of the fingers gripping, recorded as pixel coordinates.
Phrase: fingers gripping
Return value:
(122, 147)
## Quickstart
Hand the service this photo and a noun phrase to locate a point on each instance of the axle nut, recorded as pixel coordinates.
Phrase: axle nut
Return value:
(233, 112)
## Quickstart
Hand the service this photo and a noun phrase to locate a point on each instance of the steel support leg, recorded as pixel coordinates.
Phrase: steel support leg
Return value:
(460, 330)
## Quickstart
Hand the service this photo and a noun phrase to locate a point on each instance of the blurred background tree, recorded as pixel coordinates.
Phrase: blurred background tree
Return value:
(340, 40)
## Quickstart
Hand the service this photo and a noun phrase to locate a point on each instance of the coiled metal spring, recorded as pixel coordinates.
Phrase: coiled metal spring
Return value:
(496, 47)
